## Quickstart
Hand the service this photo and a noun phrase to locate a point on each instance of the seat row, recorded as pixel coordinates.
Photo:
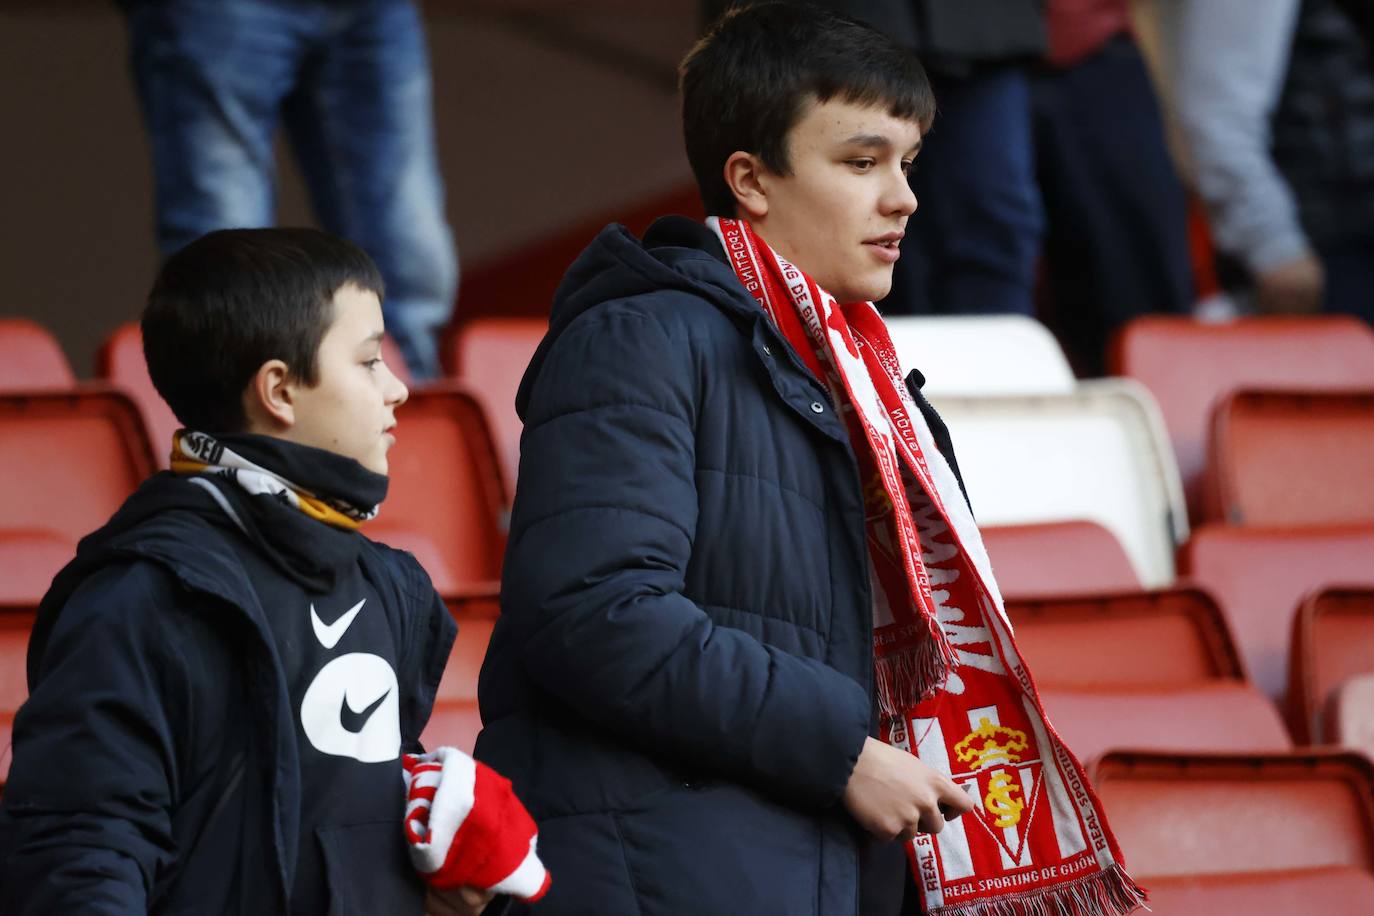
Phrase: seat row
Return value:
(1088, 456)
(1216, 649)
(1189, 699)
(1161, 669)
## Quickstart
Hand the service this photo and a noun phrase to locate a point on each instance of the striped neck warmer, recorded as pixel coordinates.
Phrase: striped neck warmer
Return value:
(199, 453)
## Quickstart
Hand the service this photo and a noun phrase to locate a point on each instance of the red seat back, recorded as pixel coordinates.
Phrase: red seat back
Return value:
(1333, 641)
(455, 721)
(1125, 640)
(31, 359)
(1189, 366)
(1143, 670)
(67, 461)
(1058, 558)
(1290, 458)
(1196, 815)
(490, 356)
(15, 625)
(1328, 891)
(1220, 715)
(121, 363)
(1259, 575)
(445, 501)
(29, 558)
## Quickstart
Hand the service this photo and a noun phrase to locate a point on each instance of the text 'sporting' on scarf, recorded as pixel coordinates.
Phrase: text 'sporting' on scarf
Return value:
(952, 687)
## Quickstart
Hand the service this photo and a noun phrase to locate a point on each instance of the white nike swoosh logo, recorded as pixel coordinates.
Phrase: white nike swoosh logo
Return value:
(329, 636)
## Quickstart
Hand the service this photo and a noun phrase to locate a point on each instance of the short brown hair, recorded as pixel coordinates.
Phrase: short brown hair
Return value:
(746, 82)
(234, 299)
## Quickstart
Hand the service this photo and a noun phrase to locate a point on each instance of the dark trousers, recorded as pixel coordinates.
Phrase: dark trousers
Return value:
(971, 246)
(887, 887)
(1117, 241)
(1349, 268)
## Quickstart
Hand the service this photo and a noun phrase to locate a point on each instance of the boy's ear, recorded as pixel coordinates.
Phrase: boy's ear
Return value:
(744, 173)
(269, 401)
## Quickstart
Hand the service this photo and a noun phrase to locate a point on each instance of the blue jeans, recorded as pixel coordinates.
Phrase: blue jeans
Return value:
(350, 82)
(972, 244)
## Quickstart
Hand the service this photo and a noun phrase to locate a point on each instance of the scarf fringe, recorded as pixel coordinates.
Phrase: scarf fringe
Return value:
(911, 676)
(1110, 892)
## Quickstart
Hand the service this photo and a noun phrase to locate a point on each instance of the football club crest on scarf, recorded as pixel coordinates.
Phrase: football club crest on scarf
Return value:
(951, 685)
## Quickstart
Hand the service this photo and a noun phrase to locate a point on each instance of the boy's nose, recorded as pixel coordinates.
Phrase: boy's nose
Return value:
(397, 393)
(900, 197)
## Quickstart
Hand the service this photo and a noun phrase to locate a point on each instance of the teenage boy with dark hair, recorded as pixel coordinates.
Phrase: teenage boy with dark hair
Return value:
(727, 677)
(225, 678)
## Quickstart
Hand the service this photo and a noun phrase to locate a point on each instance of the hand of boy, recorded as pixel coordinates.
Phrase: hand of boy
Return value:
(462, 901)
(895, 796)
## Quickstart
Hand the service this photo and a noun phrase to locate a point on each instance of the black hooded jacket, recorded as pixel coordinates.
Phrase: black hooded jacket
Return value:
(681, 679)
(160, 763)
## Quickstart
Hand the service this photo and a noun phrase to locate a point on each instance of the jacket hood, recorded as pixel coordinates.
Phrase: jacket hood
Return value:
(166, 520)
(677, 253)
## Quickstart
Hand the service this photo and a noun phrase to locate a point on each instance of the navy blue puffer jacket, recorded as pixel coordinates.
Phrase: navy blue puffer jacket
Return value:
(680, 682)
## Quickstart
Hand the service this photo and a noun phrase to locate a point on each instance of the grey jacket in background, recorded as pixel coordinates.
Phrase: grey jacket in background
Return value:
(1228, 60)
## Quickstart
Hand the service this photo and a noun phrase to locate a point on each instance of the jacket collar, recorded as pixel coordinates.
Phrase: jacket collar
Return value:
(677, 253)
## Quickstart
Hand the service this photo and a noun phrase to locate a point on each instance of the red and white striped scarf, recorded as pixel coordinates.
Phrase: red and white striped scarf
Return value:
(951, 684)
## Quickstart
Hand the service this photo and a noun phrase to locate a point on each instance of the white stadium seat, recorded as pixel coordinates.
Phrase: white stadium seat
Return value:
(982, 354)
(1097, 453)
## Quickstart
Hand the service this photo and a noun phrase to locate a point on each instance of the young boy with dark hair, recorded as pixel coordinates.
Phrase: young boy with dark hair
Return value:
(751, 655)
(224, 680)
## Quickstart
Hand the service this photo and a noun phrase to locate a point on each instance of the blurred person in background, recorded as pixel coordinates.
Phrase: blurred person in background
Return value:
(975, 248)
(1116, 244)
(1048, 133)
(1275, 100)
(350, 81)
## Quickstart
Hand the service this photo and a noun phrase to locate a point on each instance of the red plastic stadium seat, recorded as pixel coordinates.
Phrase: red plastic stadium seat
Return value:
(67, 461)
(1128, 640)
(1333, 640)
(31, 359)
(1218, 715)
(15, 625)
(1325, 891)
(490, 356)
(445, 502)
(121, 363)
(1349, 718)
(1290, 458)
(455, 721)
(1259, 575)
(29, 558)
(1245, 834)
(1143, 669)
(1190, 366)
(1058, 558)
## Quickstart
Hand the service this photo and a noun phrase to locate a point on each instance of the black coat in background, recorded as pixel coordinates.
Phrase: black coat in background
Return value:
(681, 678)
(951, 37)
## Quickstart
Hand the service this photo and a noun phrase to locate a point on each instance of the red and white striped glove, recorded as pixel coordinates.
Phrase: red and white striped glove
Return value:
(466, 828)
